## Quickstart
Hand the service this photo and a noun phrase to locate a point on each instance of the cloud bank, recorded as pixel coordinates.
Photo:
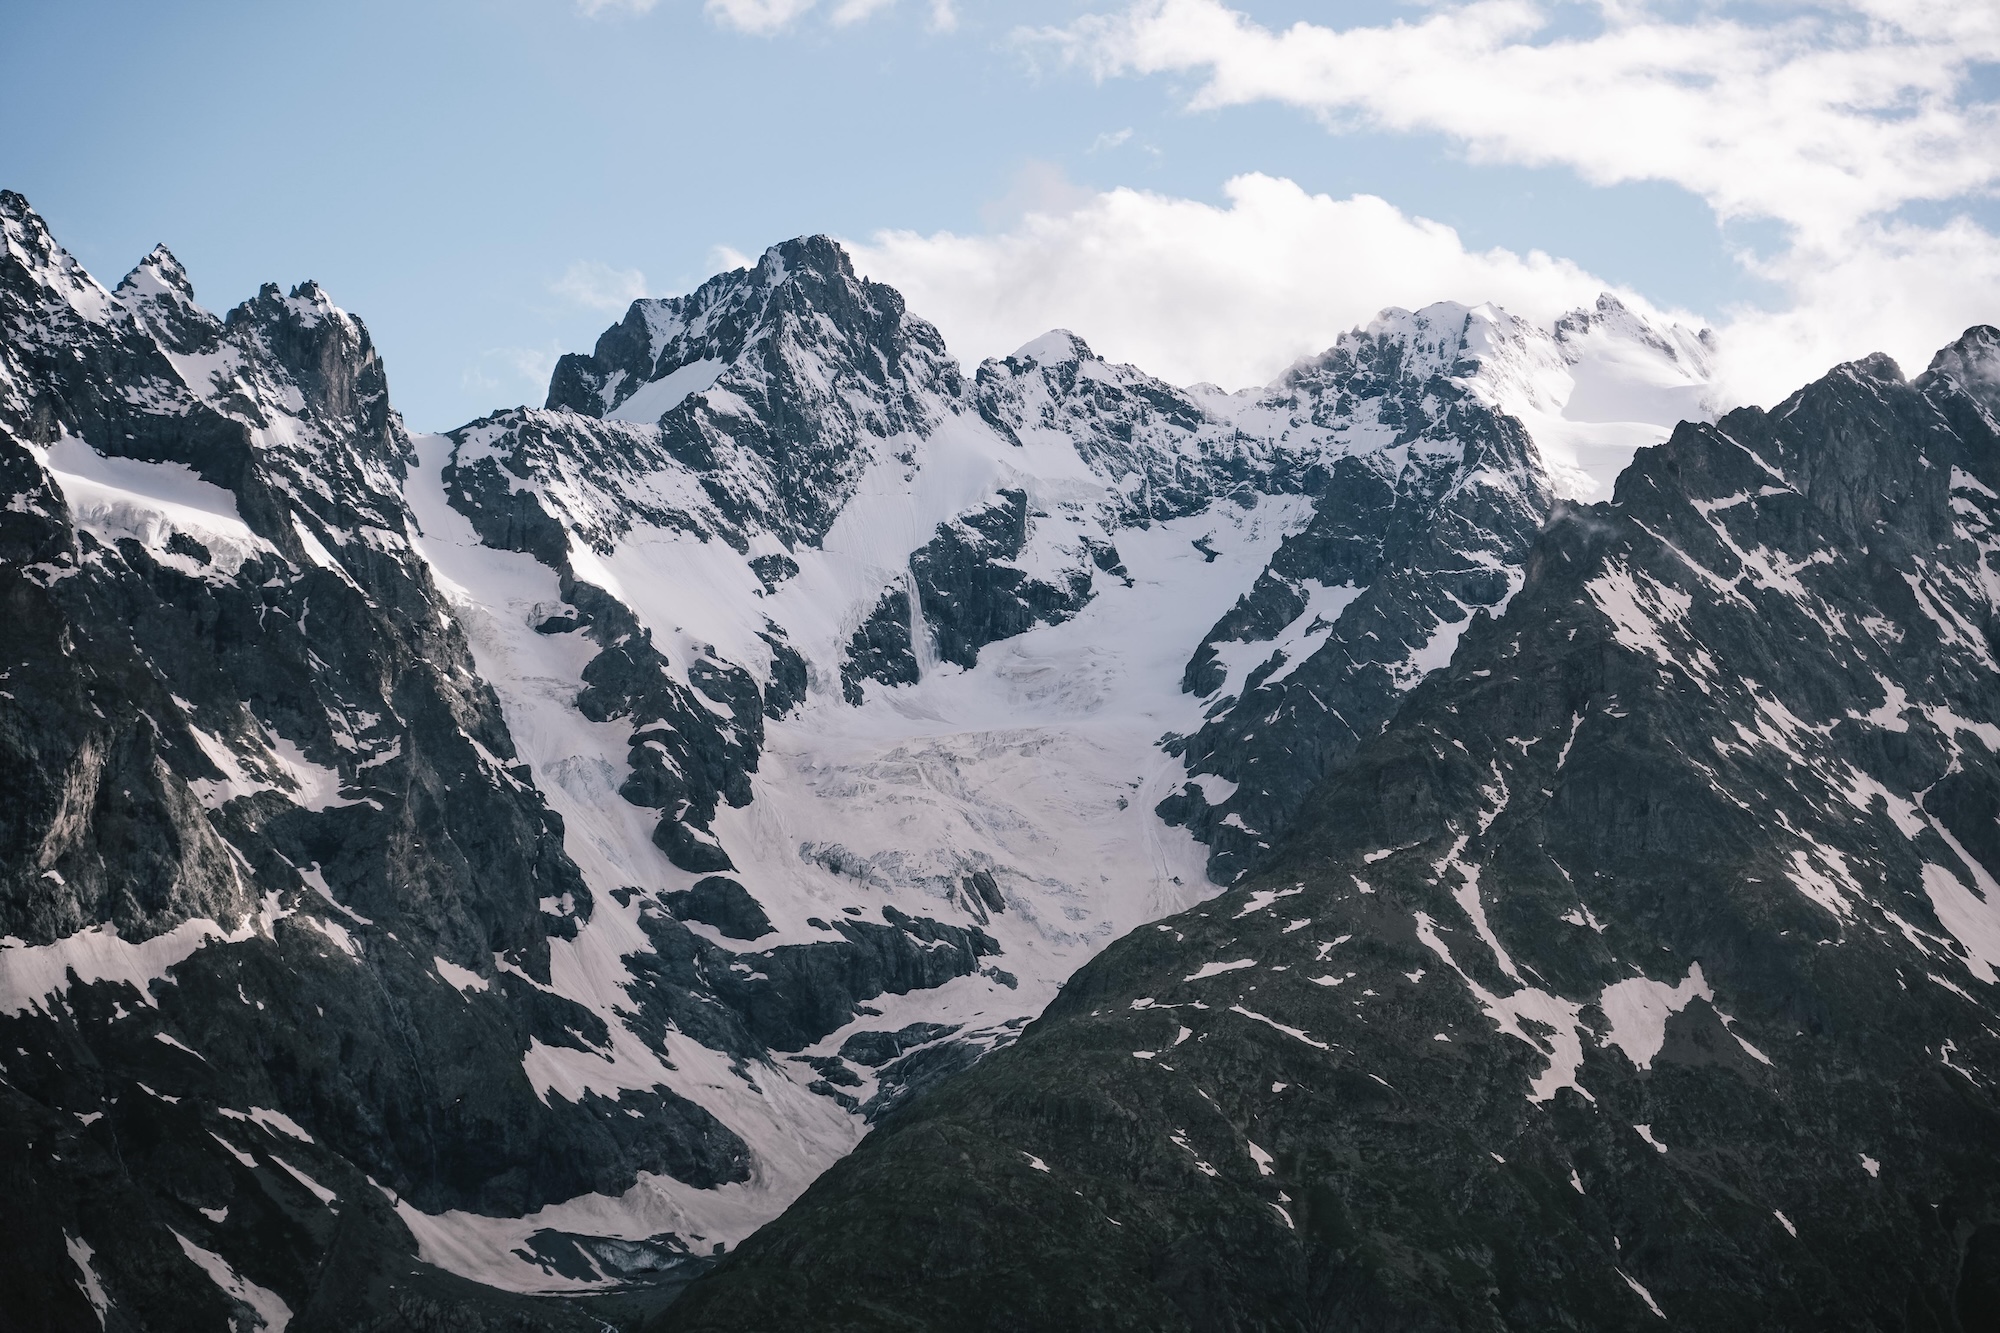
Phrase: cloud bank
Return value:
(598, 286)
(1191, 291)
(1817, 116)
(766, 17)
(1832, 120)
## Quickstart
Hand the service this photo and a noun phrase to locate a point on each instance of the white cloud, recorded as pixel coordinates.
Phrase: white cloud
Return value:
(761, 16)
(1191, 291)
(853, 11)
(1233, 294)
(598, 286)
(1893, 288)
(1830, 119)
(1036, 187)
(1819, 118)
(764, 18)
(512, 371)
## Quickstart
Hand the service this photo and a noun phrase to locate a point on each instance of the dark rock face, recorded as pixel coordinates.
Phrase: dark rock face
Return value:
(788, 997)
(817, 359)
(723, 903)
(1401, 551)
(256, 801)
(880, 650)
(970, 594)
(980, 887)
(1642, 968)
(879, 1048)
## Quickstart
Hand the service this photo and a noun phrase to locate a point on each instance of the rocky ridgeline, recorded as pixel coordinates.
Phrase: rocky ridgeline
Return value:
(443, 871)
(245, 749)
(1640, 973)
(1407, 542)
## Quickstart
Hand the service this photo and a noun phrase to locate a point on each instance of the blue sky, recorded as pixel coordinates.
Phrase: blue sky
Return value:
(484, 181)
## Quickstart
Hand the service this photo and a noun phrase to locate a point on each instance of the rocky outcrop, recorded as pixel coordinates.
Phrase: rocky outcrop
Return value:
(787, 997)
(880, 649)
(971, 591)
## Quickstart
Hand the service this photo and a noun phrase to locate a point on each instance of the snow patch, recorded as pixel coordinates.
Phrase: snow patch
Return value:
(81, 1254)
(33, 974)
(1643, 1294)
(460, 978)
(1639, 1009)
(655, 399)
(265, 1307)
(274, 1120)
(116, 498)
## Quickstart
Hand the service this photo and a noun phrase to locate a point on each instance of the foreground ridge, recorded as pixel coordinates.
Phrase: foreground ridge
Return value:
(1641, 970)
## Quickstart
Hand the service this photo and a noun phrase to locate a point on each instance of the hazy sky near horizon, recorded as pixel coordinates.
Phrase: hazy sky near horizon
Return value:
(1209, 188)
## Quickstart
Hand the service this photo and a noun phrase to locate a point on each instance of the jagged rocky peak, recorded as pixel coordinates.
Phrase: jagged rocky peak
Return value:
(780, 385)
(802, 301)
(1610, 317)
(302, 341)
(328, 354)
(158, 275)
(1056, 382)
(36, 264)
(1973, 364)
(1609, 363)
(1443, 338)
(1591, 388)
(1401, 349)
(1054, 348)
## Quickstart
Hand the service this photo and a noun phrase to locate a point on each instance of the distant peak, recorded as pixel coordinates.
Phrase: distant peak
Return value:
(307, 305)
(1055, 347)
(1875, 366)
(158, 274)
(26, 226)
(1972, 362)
(821, 255)
(25, 239)
(1972, 358)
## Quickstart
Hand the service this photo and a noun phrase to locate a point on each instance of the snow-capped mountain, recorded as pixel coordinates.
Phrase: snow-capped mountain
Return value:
(1641, 972)
(533, 854)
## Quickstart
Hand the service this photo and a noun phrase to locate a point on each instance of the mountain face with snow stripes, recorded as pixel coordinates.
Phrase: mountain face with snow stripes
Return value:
(1640, 972)
(451, 872)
